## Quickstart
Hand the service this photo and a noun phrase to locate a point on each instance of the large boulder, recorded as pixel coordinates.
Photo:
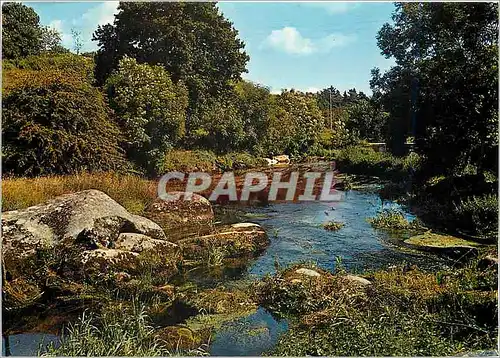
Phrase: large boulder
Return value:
(77, 235)
(181, 218)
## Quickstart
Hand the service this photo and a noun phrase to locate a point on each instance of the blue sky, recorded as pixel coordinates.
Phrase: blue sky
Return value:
(301, 45)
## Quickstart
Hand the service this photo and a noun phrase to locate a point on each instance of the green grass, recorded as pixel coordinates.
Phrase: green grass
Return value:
(393, 219)
(366, 161)
(115, 333)
(403, 312)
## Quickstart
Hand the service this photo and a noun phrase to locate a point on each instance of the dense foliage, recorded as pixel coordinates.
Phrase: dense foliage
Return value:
(444, 86)
(193, 41)
(21, 32)
(151, 110)
(52, 124)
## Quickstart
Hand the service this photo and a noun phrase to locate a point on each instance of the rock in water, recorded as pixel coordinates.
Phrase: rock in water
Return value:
(231, 241)
(182, 217)
(77, 233)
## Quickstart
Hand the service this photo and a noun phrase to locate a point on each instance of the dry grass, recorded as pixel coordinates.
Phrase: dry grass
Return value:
(133, 192)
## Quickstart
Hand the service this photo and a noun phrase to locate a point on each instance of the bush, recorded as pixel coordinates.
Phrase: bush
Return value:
(55, 124)
(365, 160)
(189, 161)
(72, 65)
(479, 215)
(206, 161)
(151, 110)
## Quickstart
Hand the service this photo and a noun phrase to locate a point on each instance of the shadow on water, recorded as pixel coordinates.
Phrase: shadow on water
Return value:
(27, 344)
(249, 336)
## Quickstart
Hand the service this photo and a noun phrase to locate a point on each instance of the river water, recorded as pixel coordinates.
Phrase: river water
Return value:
(297, 235)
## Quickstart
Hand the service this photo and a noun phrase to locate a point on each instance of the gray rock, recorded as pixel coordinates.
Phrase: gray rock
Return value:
(138, 243)
(359, 280)
(308, 272)
(182, 218)
(89, 217)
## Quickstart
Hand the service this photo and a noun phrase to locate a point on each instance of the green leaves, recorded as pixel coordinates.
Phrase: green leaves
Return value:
(21, 32)
(55, 122)
(151, 110)
(445, 78)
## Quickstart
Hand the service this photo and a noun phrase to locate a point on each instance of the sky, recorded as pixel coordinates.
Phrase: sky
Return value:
(303, 45)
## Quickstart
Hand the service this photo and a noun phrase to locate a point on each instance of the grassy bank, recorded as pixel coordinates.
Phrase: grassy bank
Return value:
(399, 312)
(465, 203)
(132, 191)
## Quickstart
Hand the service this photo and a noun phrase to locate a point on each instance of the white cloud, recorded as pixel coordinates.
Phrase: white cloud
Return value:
(290, 40)
(102, 14)
(86, 24)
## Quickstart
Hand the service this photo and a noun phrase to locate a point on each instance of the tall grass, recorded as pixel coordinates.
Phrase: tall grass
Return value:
(131, 191)
(116, 333)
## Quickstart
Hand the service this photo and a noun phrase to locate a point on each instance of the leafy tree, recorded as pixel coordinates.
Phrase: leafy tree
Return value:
(295, 123)
(444, 86)
(219, 126)
(366, 121)
(151, 110)
(193, 41)
(254, 104)
(55, 123)
(21, 32)
(51, 40)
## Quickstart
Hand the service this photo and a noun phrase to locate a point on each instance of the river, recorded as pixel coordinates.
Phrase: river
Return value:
(296, 235)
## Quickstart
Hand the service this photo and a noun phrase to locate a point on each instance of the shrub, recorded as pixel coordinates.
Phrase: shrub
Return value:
(151, 110)
(55, 124)
(72, 65)
(365, 160)
(479, 215)
(188, 161)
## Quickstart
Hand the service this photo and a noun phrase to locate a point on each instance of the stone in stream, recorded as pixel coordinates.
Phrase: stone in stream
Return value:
(76, 234)
(182, 217)
(442, 244)
(231, 241)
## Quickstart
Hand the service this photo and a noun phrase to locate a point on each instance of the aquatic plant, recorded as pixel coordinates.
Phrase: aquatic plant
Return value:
(333, 225)
(393, 219)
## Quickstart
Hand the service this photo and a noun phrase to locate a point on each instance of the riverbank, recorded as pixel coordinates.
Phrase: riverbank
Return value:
(183, 314)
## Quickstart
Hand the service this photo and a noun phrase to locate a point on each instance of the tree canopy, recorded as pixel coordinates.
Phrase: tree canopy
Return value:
(21, 31)
(192, 41)
(444, 87)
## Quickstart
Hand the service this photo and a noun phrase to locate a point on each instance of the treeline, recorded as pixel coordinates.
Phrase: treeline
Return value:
(165, 76)
(168, 76)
